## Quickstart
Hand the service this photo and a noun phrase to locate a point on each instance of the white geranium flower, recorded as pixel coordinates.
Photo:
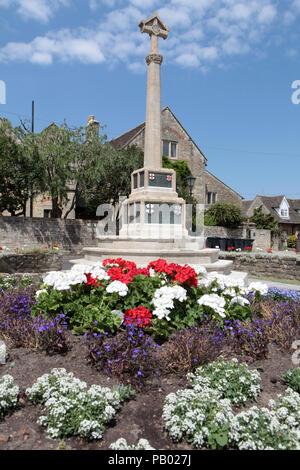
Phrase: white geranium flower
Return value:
(119, 287)
(239, 300)
(164, 300)
(215, 302)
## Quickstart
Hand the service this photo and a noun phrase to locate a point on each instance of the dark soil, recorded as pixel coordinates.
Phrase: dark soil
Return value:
(139, 418)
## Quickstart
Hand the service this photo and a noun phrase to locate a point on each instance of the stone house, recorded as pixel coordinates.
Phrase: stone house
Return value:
(178, 144)
(285, 210)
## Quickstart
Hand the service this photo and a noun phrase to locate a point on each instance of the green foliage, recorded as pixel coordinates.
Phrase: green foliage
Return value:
(71, 408)
(232, 380)
(292, 379)
(223, 215)
(18, 170)
(10, 282)
(118, 164)
(291, 241)
(268, 429)
(264, 221)
(199, 416)
(86, 309)
(8, 395)
(182, 172)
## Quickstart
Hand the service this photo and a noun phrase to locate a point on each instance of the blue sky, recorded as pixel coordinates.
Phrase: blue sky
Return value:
(227, 75)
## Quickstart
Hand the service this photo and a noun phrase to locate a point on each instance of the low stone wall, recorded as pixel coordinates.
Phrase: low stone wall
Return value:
(278, 266)
(71, 235)
(30, 263)
(262, 238)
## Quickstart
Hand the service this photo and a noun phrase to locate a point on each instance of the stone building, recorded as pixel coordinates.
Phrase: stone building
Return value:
(286, 211)
(178, 144)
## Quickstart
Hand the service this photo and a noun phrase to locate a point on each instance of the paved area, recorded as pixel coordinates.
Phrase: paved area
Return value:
(279, 285)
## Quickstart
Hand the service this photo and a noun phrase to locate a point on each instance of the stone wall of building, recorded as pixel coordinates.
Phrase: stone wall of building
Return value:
(278, 266)
(224, 193)
(71, 235)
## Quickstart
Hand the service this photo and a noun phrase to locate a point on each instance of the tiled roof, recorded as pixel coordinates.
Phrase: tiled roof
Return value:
(121, 142)
(272, 203)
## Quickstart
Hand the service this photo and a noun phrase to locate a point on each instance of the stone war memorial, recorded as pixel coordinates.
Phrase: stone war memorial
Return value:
(153, 217)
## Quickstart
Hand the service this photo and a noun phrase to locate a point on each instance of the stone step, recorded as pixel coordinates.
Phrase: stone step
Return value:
(143, 257)
(220, 267)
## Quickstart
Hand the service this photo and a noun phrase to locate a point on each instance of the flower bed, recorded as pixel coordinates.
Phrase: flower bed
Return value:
(161, 298)
(161, 329)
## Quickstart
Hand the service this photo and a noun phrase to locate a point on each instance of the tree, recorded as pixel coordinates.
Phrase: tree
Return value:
(264, 221)
(223, 215)
(113, 178)
(18, 170)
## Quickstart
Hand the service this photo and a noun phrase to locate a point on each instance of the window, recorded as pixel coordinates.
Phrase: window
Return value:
(211, 198)
(284, 213)
(47, 213)
(170, 149)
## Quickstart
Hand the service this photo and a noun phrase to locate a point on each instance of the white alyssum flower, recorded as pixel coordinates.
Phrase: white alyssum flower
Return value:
(193, 414)
(121, 444)
(73, 409)
(232, 380)
(8, 394)
(119, 287)
(215, 302)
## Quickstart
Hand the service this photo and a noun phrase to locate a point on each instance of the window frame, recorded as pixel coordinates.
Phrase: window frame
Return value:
(170, 142)
(213, 198)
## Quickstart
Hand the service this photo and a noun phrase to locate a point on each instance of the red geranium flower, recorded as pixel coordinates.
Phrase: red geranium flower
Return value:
(92, 281)
(139, 316)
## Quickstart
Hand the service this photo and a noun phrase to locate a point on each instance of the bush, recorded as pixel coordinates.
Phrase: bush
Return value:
(264, 221)
(282, 322)
(71, 408)
(224, 215)
(291, 241)
(188, 349)
(11, 282)
(292, 379)
(199, 416)
(23, 330)
(8, 395)
(131, 356)
(260, 429)
(230, 379)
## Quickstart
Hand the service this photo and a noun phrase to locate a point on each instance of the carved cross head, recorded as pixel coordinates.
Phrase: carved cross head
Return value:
(154, 26)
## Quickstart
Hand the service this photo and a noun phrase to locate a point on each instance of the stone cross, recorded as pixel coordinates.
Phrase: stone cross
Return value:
(153, 148)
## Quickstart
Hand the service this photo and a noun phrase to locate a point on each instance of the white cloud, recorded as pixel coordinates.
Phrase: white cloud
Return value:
(188, 60)
(203, 32)
(40, 10)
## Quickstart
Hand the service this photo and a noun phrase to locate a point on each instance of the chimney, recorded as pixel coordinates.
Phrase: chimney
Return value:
(92, 130)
